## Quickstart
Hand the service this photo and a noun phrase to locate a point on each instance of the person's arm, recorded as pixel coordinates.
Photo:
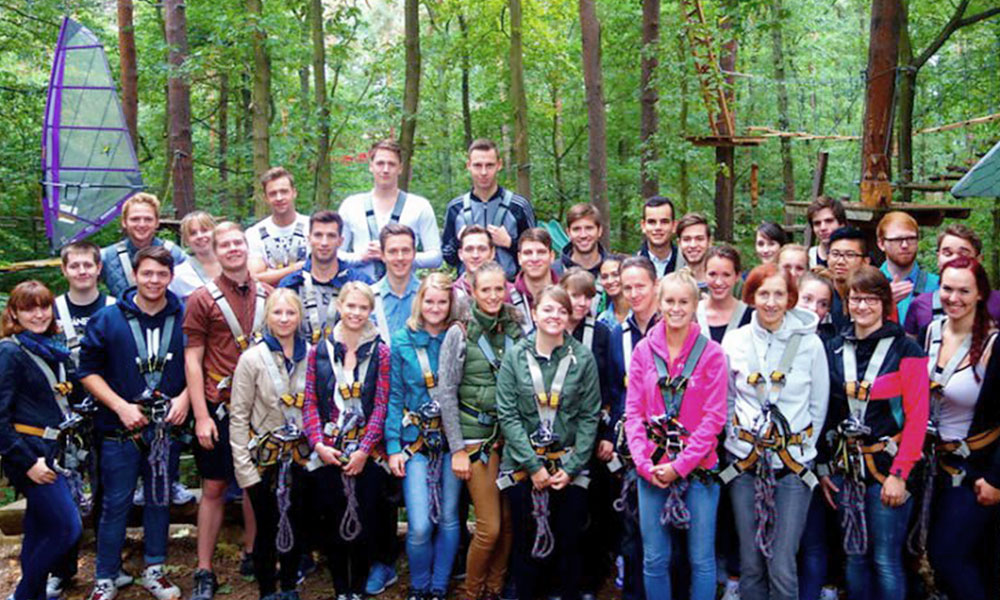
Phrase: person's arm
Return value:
(635, 415)
(516, 441)
(311, 422)
(449, 237)
(989, 405)
(430, 239)
(17, 455)
(242, 398)
(916, 408)
(397, 398)
(350, 249)
(587, 418)
(260, 272)
(375, 427)
(712, 387)
(451, 368)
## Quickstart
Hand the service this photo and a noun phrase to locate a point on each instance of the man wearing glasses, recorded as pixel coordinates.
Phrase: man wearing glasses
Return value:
(898, 236)
(848, 252)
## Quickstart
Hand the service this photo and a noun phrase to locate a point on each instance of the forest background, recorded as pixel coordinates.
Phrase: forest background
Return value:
(310, 84)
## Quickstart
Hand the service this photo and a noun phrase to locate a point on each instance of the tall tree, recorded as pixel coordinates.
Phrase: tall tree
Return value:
(129, 72)
(180, 108)
(519, 99)
(778, 61)
(649, 96)
(222, 124)
(684, 185)
(725, 155)
(883, 51)
(466, 108)
(911, 62)
(321, 183)
(260, 102)
(411, 88)
(593, 80)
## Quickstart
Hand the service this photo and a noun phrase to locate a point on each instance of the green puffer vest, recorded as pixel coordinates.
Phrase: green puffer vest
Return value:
(479, 382)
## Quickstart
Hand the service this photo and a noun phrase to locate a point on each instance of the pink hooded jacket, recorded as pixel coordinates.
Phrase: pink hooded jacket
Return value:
(702, 411)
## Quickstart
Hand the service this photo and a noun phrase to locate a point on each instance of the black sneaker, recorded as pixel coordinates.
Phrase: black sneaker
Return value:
(205, 585)
(307, 566)
(246, 566)
(436, 595)
(413, 594)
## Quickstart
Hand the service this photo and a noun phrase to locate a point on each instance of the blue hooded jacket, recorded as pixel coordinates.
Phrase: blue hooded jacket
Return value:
(406, 383)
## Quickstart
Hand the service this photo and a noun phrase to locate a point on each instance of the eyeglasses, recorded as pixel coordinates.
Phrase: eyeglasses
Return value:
(899, 241)
(842, 255)
(869, 300)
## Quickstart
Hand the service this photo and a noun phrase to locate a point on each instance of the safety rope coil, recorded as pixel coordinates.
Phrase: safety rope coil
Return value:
(434, 463)
(853, 521)
(764, 506)
(159, 458)
(545, 541)
(623, 503)
(675, 511)
(350, 524)
(285, 538)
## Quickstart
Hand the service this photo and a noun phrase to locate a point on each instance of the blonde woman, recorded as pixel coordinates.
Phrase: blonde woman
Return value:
(201, 265)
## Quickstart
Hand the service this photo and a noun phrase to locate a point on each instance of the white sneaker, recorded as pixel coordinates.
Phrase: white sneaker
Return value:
(104, 589)
(829, 593)
(54, 587)
(139, 497)
(123, 579)
(180, 494)
(732, 590)
(156, 583)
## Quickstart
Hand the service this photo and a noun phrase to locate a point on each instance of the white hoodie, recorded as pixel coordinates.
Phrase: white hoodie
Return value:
(805, 397)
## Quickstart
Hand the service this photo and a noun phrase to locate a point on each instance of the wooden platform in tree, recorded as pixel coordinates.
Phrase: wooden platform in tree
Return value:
(725, 140)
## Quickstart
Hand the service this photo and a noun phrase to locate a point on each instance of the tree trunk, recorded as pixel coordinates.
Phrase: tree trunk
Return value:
(520, 102)
(725, 156)
(466, 107)
(411, 89)
(883, 51)
(445, 152)
(321, 184)
(129, 73)
(261, 103)
(180, 108)
(167, 173)
(222, 124)
(557, 148)
(778, 59)
(597, 135)
(684, 185)
(648, 98)
(904, 107)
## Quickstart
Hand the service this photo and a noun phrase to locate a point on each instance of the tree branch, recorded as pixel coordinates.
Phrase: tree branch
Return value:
(954, 23)
(986, 14)
(29, 16)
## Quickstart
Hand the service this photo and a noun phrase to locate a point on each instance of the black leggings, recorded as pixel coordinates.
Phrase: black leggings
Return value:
(264, 500)
(348, 561)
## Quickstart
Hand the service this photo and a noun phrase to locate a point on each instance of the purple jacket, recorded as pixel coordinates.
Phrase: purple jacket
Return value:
(921, 312)
(702, 410)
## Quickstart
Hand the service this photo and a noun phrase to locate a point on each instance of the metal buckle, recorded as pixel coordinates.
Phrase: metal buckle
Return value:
(543, 437)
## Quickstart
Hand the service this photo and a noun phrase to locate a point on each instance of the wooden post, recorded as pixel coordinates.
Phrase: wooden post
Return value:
(755, 187)
(819, 175)
(883, 53)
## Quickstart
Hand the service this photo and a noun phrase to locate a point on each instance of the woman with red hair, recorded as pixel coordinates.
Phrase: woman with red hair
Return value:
(34, 411)
(965, 408)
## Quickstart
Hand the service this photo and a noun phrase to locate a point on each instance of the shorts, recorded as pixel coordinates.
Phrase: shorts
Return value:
(217, 463)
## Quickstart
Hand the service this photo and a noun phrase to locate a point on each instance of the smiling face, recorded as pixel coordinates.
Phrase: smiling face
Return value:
(678, 303)
(199, 239)
(865, 309)
(899, 242)
(550, 316)
(355, 309)
(152, 279)
(794, 262)
(435, 306)
(489, 292)
(658, 225)
(721, 276)
(815, 297)
(283, 319)
(141, 224)
(638, 289)
(771, 302)
(846, 256)
(766, 248)
(231, 250)
(385, 168)
(324, 241)
(611, 279)
(535, 259)
(694, 242)
(584, 234)
(959, 293)
(398, 255)
(483, 166)
(81, 271)
(475, 251)
(581, 305)
(281, 195)
(35, 319)
(952, 247)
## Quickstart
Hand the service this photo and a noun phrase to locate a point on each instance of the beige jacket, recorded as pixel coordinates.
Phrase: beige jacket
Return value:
(255, 406)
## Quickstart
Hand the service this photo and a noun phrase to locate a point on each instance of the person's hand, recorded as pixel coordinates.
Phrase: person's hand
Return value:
(356, 463)
(605, 451)
(372, 252)
(893, 491)
(560, 480)
(830, 490)
(397, 464)
(460, 465)
(206, 432)
(178, 410)
(500, 236)
(40, 473)
(327, 454)
(131, 416)
(541, 479)
(901, 288)
(666, 473)
(986, 494)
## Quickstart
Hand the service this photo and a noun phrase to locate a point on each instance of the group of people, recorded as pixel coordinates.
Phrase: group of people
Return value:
(782, 430)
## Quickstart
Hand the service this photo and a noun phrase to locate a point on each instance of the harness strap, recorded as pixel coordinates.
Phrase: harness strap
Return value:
(348, 395)
(672, 389)
(487, 349)
(381, 322)
(734, 320)
(482, 417)
(859, 392)
(277, 257)
(589, 323)
(152, 358)
(125, 261)
(320, 328)
(521, 303)
(290, 389)
(241, 337)
(498, 217)
(939, 380)
(547, 400)
(61, 388)
(430, 379)
(936, 309)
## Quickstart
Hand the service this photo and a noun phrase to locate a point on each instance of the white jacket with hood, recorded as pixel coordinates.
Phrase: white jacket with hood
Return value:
(804, 399)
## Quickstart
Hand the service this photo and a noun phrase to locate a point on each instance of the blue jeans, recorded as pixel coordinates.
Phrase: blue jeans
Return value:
(813, 554)
(702, 501)
(431, 556)
(775, 578)
(879, 572)
(121, 464)
(959, 527)
(631, 544)
(51, 528)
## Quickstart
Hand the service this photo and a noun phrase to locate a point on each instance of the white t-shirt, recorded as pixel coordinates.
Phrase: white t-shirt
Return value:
(284, 239)
(418, 215)
(187, 278)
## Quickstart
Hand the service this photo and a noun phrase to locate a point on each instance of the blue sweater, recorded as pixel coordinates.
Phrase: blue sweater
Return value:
(406, 384)
(111, 267)
(109, 350)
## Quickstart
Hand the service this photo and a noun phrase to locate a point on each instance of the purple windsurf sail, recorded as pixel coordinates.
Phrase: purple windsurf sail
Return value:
(89, 163)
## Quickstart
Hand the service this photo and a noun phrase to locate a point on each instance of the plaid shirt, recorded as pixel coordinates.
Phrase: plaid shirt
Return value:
(374, 428)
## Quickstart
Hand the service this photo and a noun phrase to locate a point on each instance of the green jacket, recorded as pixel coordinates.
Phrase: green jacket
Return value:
(477, 387)
(576, 419)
